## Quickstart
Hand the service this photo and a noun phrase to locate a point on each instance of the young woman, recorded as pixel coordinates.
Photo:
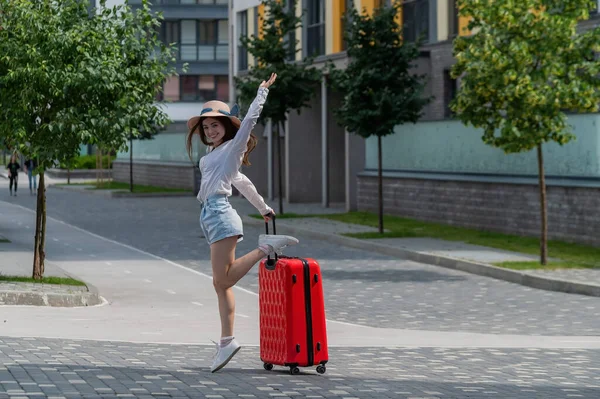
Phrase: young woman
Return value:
(230, 141)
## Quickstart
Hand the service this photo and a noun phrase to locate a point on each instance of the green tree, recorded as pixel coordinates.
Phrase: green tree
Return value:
(296, 81)
(380, 91)
(69, 77)
(523, 68)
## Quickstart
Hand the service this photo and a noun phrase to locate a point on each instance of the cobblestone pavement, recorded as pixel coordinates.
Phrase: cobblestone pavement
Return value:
(360, 287)
(33, 368)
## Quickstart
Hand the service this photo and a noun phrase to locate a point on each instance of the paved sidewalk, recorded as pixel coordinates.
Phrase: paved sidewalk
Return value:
(16, 260)
(37, 368)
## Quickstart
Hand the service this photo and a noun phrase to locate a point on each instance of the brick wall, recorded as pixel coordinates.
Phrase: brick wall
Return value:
(174, 175)
(573, 212)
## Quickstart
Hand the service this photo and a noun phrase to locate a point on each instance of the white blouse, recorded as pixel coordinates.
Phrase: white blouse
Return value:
(220, 168)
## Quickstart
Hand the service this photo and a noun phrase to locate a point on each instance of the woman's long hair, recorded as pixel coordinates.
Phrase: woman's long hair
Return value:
(230, 132)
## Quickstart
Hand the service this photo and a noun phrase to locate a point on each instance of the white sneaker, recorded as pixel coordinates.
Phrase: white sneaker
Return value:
(276, 242)
(224, 355)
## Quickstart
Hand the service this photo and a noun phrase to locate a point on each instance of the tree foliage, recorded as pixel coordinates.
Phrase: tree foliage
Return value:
(296, 81)
(526, 65)
(379, 87)
(70, 77)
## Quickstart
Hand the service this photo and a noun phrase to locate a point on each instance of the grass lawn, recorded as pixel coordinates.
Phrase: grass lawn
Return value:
(137, 188)
(570, 255)
(44, 280)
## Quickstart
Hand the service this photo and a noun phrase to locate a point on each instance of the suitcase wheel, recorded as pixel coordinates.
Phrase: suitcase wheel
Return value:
(268, 366)
(294, 370)
(321, 369)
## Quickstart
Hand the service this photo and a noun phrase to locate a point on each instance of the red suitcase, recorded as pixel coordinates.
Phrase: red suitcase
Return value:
(293, 331)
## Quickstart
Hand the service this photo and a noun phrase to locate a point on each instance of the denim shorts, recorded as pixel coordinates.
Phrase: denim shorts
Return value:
(219, 220)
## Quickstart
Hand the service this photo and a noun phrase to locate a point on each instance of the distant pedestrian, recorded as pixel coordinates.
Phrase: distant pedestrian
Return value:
(30, 166)
(13, 173)
(230, 141)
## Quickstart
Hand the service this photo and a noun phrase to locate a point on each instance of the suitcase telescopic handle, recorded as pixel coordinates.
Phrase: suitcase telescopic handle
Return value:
(269, 261)
(272, 216)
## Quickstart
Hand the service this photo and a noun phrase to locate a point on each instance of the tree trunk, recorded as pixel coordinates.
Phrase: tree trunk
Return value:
(68, 175)
(380, 183)
(544, 208)
(40, 231)
(130, 164)
(279, 171)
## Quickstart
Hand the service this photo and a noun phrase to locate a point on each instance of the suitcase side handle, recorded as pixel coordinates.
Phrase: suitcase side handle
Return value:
(270, 264)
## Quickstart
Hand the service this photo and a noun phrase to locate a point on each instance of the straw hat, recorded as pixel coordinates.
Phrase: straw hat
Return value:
(216, 109)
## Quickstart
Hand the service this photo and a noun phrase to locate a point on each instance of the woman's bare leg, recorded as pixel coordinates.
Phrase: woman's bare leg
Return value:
(227, 271)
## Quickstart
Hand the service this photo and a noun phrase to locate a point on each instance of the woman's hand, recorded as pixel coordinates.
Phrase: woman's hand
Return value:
(268, 216)
(269, 82)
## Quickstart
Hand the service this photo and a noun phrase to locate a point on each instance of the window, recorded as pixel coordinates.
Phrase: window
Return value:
(189, 34)
(171, 89)
(207, 40)
(453, 18)
(242, 52)
(170, 32)
(415, 20)
(450, 90)
(290, 8)
(198, 40)
(315, 29)
(222, 40)
(203, 88)
(223, 88)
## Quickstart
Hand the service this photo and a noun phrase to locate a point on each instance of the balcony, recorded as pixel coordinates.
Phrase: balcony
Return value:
(182, 2)
(185, 9)
(192, 52)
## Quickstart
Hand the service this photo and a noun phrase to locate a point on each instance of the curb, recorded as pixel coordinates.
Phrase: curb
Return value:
(77, 297)
(77, 173)
(481, 269)
(123, 194)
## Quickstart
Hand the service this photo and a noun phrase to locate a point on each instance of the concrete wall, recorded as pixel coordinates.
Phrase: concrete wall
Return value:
(573, 212)
(304, 149)
(162, 174)
(257, 172)
(450, 147)
(336, 150)
(355, 164)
